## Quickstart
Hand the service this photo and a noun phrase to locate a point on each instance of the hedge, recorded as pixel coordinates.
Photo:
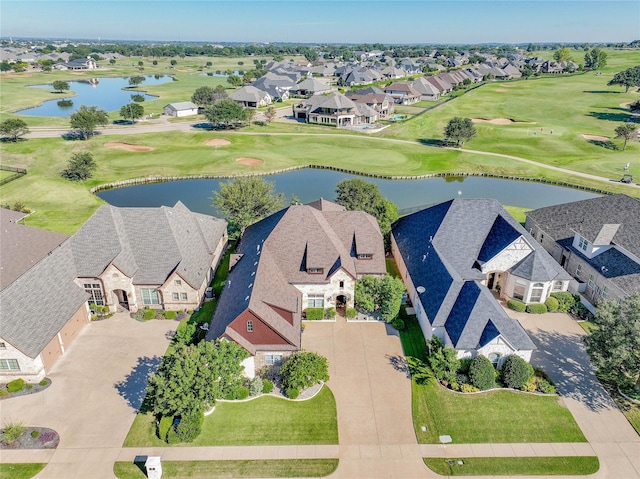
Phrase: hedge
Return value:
(15, 385)
(565, 300)
(149, 314)
(350, 313)
(552, 304)
(482, 374)
(537, 308)
(315, 314)
(516, 305)
(516, 372)
(170, 314)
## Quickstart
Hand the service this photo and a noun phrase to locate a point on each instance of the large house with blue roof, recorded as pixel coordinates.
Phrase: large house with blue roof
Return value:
(455, 257)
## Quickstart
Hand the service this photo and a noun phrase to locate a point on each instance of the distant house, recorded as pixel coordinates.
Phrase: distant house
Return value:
(310, 86)
(427, 90)
(597, 241)
(402, 93)
(378, 100)
(304, 256)
(79, 64)
(453, 258)
(180, 109)
(334, 109)
(159, 258)
(251, 97)
(43, 310)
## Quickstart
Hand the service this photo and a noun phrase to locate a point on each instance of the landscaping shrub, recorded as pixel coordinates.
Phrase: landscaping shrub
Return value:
(4, 392)
(537, 308)
(581, 311)
(15, 385)
(172, 436)
(402, 313)
(29, 387)
(465, 364)
(238, 392)
(468, 388)
(516, 372)
(315, 314)
(255, 386)
(190, 425)
(330, 313)
(482, 374)
(35, 434)
(12, 431)
(544, 386)
(44, 382)
(170, 315)
(398, 324)
(292, 393)
(462, 378)
(304, 369)
(565, 300)
(443, 361)
(267, 386)
(552, 304)
(516, 305)
(350, 313)
(163, 427)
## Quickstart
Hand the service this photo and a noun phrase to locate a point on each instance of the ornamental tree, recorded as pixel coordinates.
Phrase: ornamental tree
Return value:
(304, 369)
(459, 130)
(625, 131)
(614, 346)
(86, 120)
(482, 374)
(516, 372)
(13, 128)
(443, 361)
(60, 86)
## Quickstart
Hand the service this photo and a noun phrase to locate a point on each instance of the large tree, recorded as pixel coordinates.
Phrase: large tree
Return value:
(234, 80)
(225, 112)
(304, 369)
(627, 78)
(247, 200)
(206, 96)
(614, 346)
(132, 111)
(13, 128)
(360, 195)
(60, 86)
(626, 131)
(194, 376)
(380, 294)
(135, 80)
(80, 166)
(595, 59)
(86, 120)
(562, 54)
(459, 130)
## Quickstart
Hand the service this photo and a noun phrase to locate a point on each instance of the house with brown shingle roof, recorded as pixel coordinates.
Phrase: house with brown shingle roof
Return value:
(304, 256)
(402, 93)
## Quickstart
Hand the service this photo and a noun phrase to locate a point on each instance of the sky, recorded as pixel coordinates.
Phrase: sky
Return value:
(326, 21)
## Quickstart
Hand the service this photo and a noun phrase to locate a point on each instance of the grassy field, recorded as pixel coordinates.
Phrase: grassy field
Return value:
(264, 421)
(497, 416)
(235, 469)
(515, 466)
(20, 471)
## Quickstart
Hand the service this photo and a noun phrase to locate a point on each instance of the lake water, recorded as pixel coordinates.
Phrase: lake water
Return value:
(107, 94)
(310, 184)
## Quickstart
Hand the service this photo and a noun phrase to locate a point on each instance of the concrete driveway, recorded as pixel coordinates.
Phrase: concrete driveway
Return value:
(373, 395)
(97, 387)
(562, 354)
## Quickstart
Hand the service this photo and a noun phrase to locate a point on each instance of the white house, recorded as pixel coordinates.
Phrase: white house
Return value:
(180, 109)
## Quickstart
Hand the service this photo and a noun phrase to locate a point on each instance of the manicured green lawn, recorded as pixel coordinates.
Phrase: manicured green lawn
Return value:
(516, 466)
(496, 416)
(264, 421)
(235, 469)
(20, 471)
(517, 212)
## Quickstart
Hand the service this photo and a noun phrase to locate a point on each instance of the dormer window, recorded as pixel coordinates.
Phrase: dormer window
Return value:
(583, 243)
(365, 256)
(249, 326)
(315, 270)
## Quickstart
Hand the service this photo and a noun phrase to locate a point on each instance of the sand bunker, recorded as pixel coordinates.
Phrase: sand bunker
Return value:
(500, 90)
(595, 137)
(249, 161)
(494, 121)
(128, 146)
(217, 142)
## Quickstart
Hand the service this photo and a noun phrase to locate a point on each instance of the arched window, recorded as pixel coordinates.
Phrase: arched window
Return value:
(495, 359)
(536, 292)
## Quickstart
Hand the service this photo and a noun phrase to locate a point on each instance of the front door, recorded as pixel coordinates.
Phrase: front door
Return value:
(341, 304)
(492, 279)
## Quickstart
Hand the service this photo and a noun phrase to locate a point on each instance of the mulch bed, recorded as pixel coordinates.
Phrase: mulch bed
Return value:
(35, 388)
(47, 439)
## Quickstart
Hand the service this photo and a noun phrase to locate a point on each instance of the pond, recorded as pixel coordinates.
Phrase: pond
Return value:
(310, 184)
(107, 94)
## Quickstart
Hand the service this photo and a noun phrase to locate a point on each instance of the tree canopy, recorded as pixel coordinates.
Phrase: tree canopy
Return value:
(360, 195)
(627, 78)
(247, 200)
(86, 120)
(206, 96)
(459, 130)
(384, 293)
(194, 376)
(225, 112)
(13, 128)
(60, 85)
(443, 360)
(132, 111)
(562, 54)
(135, 80)
(304, 369)
(80, 166)
(625, 131)
(614, 346)
(595, 59)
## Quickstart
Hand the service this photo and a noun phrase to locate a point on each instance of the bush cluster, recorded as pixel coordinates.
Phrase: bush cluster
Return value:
(537, 308)
(565, 299)
(12, 431)
(516, 305)
(315, 314)
(482, 374)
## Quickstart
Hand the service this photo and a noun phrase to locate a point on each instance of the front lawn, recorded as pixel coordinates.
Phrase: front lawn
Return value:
(264, 421)
(515, 466)
(491, 417)
(226, 469)
(20, 471)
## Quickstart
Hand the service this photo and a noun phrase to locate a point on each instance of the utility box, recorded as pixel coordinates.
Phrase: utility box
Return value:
(154, 467)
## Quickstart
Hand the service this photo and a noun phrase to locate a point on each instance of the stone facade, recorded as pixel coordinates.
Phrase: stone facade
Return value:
(340, 284)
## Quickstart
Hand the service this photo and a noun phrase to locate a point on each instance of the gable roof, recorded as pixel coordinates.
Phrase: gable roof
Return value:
(182, 105)
(249, 93)
(148, 244)
(275, 254)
